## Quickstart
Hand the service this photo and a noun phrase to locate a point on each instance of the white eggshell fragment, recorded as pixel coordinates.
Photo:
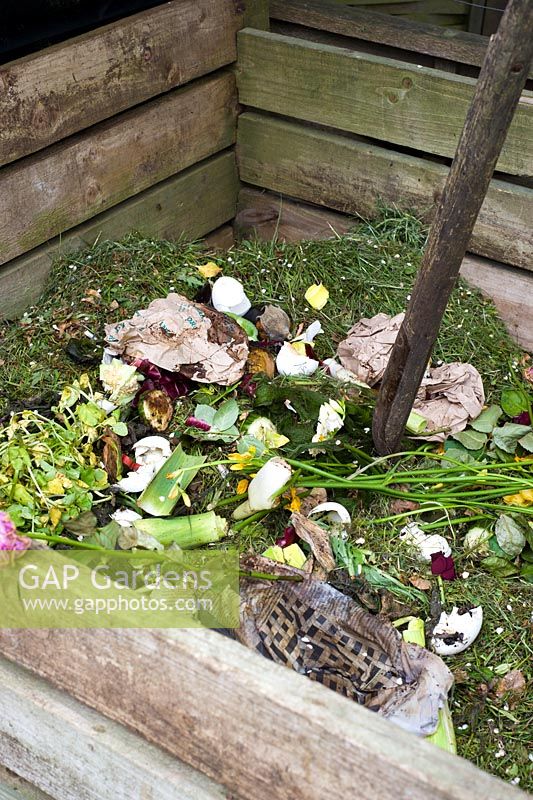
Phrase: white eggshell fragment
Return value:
(137, 480)
(228, 295)
(477, 540)
(152, 449)
(424, 543)
(151, 453)
(290, 362)
(456, 631)
(336, 512)
(125, 517)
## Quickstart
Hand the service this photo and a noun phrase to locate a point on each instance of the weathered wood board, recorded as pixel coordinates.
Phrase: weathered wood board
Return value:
(192, 203)
(13, 787)
(396, 102)
(271, 216)
(70, 86)
(511, 290)
(348, 175)
(231, 714)
(52, 191)
(74, 753)
(347, 20)
(222, 238)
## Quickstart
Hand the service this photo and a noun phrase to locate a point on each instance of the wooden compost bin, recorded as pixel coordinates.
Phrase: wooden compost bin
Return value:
(133, 126)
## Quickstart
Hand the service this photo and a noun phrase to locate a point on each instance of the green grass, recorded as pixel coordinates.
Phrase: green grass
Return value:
(369, 271)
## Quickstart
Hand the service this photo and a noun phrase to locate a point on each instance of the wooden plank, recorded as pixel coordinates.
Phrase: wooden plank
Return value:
(416, 107)
(12, 787)
(351, 176)
(256, 14)
(232, 714)
(412, 37)
(222, 238)
(74, 753)
(48, 193)
(193, 203)
(511, 291)
(70, 86)
(273, 217)
(357, 45)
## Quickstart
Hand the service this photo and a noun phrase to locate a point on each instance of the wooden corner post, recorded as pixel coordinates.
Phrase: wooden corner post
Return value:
(501, 80)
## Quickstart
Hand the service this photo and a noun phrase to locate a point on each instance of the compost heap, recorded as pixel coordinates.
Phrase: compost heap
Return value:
(59, 468)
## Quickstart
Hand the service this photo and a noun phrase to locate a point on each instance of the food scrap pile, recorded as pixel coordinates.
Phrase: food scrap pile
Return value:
(213, 416)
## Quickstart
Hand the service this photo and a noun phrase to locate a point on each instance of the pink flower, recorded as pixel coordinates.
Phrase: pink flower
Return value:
(443, 565)
(289, 537)
(9, 538)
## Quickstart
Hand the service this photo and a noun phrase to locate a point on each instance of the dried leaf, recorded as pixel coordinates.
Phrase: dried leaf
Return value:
(460, 676)
(400, 506)
(420, 583)
(317, 538)
(112, 456)
(314, 498)
(513, 683)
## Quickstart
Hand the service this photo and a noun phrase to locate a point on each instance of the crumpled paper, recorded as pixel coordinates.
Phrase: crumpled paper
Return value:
(181, 336)
(319, 632)
(449, 396)
(367, 347)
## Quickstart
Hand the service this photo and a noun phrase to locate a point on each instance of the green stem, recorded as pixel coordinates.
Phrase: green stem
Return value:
(55, 539)
(239, 526)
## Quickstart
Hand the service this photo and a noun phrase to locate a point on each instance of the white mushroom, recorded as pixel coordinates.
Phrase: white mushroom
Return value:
(228, 295)
(456, 631)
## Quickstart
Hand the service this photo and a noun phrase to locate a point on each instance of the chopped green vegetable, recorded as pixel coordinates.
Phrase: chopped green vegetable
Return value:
(169, 484)
(187, 532)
